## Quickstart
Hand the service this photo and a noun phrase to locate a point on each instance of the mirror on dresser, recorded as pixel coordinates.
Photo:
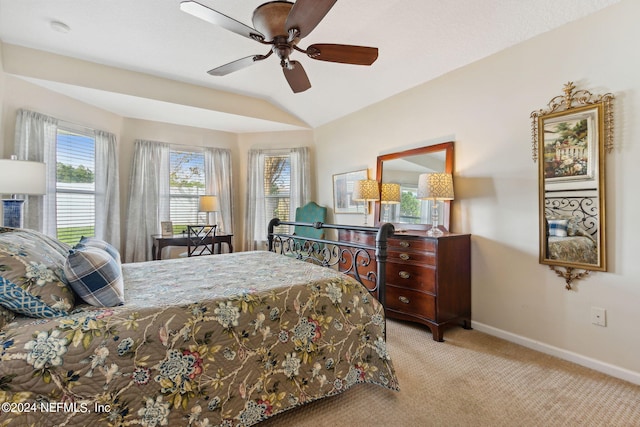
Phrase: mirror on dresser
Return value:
(403, 169)
(570, 140)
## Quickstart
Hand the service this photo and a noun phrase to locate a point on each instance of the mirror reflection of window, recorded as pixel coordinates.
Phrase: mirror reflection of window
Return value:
(404, 168)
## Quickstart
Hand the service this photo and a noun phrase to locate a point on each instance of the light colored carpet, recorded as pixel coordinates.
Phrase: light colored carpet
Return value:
(474, 379)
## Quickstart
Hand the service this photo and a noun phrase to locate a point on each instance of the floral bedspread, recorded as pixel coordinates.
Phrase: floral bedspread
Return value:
(581, 249)
(225, 340)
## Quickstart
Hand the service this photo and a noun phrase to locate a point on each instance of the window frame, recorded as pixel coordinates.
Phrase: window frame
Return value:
(71, 129)
(179, 226)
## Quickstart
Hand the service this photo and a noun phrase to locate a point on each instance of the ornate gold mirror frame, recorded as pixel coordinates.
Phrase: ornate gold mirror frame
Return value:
(570, 138)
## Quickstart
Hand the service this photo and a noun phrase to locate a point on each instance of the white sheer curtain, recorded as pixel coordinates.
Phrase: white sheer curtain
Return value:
(35, 140)
(148, 198)
(300, 179)
(257, 218)
(218, 176)
(107, 189)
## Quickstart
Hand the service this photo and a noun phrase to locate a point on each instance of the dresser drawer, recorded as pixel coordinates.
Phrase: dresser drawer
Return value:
(425, 258)
(402, 244)
(357, 237)
(411, 302)
(418, 277)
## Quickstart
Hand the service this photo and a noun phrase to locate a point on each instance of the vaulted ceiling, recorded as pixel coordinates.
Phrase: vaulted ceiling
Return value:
(418, 40)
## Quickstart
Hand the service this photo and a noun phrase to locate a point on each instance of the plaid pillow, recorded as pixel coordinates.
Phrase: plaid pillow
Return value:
(558, 227)
(95, 276)
(94, 242)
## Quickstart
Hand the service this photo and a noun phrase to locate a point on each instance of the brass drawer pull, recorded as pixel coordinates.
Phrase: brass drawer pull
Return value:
(404, 256)
(404, 243)
(403, 299)
(404, 274)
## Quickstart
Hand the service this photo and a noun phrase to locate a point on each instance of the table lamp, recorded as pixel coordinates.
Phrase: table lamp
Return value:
(435, 186)
(208, 204)
(366, 190)
(19, 177)
(389, 195)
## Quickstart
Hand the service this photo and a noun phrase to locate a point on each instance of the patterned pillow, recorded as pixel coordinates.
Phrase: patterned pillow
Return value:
(31, 278)
(100, 244)
(95, 276)
(558, 227)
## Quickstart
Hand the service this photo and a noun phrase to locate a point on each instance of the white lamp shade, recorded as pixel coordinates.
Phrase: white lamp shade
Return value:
(435, 186)
(208, 204)
(366, 189)
(22, 177)
(390, 193)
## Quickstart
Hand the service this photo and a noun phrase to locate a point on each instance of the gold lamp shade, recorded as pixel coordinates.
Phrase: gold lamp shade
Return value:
(366, 190)
(208, 204)
(435, 186)
(390, 193)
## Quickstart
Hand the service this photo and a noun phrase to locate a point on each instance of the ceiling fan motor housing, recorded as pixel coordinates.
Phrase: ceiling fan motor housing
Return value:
(270, 19)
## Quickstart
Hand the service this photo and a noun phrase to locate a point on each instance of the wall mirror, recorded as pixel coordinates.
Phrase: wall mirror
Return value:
(570, 139)
(403, 168)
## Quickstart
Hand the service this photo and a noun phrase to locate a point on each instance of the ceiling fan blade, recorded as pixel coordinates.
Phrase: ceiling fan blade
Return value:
(297, 77)
(306, 14)
(213, 16)
(345, 54)
(236, 65)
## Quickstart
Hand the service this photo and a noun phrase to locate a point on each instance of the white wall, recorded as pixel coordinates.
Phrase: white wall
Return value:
(485, 108)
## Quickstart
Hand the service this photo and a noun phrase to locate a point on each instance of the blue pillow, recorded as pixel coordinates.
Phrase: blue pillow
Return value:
(558, 227)
(95, 276)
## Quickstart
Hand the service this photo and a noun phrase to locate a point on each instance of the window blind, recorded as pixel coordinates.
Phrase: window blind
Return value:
(186, 183)
(277, 187)
(75, 185)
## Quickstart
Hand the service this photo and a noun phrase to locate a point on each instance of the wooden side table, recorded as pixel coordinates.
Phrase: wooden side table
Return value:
(160, 242)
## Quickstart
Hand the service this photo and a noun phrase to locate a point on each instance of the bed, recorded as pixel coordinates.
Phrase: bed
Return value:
(572, 229)
(224, 340)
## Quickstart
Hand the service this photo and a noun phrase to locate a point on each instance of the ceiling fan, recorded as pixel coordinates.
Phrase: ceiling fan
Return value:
(282, 24)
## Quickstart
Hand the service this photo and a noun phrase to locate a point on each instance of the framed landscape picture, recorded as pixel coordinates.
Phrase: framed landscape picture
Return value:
(570, 139)
(343, 185)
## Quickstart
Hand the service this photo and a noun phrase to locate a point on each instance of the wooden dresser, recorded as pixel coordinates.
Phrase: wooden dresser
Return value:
(428, 278)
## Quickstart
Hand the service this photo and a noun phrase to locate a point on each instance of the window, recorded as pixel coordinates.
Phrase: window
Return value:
(277, 187)
(75, 184)
(186, 183)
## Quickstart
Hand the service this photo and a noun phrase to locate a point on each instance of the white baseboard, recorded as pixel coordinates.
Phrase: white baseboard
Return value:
(597, 365)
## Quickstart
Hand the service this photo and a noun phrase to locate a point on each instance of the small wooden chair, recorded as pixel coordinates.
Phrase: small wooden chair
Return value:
(200, 239)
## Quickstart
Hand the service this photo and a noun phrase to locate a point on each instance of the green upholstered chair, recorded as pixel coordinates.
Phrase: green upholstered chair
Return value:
(311, 212)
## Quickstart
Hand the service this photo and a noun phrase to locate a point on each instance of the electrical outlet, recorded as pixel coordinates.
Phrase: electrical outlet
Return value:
(598, 316)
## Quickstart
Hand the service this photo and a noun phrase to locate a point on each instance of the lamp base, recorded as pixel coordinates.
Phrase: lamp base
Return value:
(13, 216)
(434, 232)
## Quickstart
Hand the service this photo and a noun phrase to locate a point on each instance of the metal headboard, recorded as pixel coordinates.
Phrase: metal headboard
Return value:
(583, 208)
(354, 259)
